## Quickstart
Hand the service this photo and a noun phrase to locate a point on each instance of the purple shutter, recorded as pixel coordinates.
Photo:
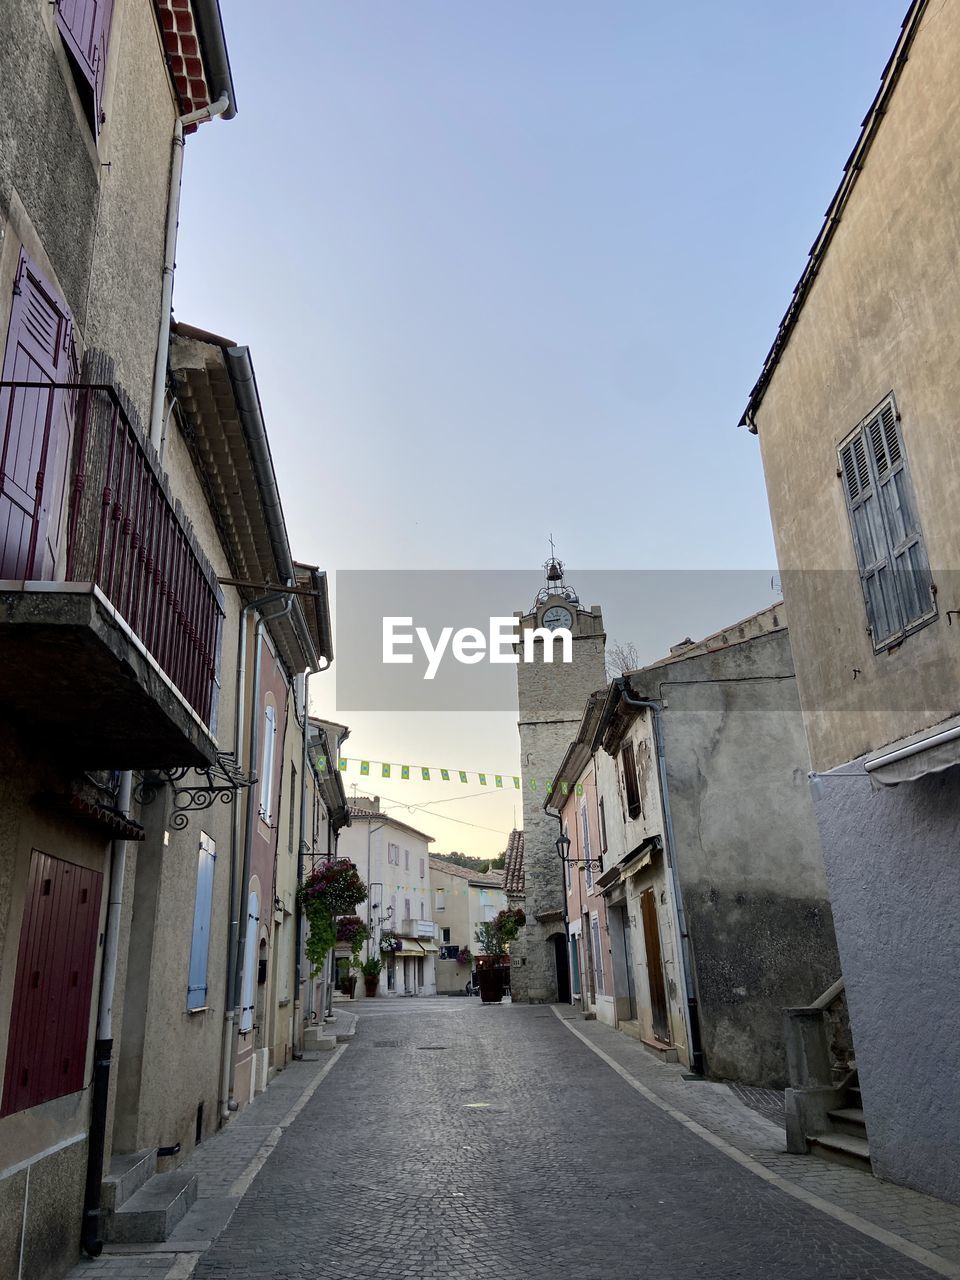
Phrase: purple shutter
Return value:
(36, 427)
(50, 1017)
(85, 27)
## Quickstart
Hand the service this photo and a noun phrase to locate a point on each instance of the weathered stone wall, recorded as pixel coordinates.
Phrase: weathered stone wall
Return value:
(552, 698)
(746, 847)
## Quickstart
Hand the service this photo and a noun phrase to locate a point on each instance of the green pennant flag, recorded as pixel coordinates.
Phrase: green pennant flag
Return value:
(342, 764)
(322, 763)
(425, 774)
(463, 776)
(564, 788)
(483, 779)
(405, 772)
(445, 775)
(497, 780)
(365, 768)
(533, 784)
(516, 783)
(548, 787)
(579, 788)
(384, 771)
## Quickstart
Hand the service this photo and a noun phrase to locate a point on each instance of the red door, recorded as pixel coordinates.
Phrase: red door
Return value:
(36, 428)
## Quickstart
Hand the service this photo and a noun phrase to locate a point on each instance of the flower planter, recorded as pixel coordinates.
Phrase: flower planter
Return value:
(371, 986)
(491, 984)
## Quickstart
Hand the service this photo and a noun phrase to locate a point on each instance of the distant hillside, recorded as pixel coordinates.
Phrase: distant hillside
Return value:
(465, 860)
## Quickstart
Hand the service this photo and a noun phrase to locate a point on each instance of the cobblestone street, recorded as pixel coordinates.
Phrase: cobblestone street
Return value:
(458, 1141)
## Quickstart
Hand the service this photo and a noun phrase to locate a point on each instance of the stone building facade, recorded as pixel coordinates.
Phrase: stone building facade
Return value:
(551, 699)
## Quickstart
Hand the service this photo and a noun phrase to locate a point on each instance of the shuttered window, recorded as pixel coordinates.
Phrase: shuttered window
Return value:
(85, 28)
(249, 963)
(585, 834)
(892, 559)
(630, 781)
(603, 827)
(36, 427)
(597, 954)
(266, 761)
(50, 1014)
(202, 916)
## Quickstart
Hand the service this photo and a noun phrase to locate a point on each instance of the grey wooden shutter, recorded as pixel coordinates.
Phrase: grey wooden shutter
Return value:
(894, 570)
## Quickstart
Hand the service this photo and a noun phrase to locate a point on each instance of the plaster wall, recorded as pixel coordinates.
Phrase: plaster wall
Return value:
(881, 316)
(746, 848)
(891, 858)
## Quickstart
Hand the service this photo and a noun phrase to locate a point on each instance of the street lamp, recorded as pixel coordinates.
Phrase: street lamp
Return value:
(563, 853)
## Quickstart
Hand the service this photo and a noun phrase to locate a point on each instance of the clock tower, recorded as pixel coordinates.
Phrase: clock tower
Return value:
(552, 697)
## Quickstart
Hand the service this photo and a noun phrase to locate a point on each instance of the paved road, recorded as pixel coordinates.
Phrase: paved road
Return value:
(456, 1141)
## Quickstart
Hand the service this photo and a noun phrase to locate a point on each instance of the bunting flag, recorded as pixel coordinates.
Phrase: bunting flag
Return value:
(434, 773)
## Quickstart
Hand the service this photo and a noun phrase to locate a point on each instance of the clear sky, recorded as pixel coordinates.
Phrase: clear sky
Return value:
(511, 268)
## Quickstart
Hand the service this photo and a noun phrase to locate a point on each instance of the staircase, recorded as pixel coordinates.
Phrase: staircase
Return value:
(845, 1141)
(139, 1205)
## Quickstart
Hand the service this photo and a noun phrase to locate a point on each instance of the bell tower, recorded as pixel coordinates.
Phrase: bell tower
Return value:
(552, 697)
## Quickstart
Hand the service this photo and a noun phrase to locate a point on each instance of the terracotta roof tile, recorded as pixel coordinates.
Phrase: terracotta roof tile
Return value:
(513, 877)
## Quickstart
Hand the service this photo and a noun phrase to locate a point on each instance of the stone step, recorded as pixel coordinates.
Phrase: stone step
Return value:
(849, 1120)
(151, 1213)
(853, 1095)
(842, 1148)
(127, 1174)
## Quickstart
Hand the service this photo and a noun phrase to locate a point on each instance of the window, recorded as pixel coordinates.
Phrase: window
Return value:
(423, 911)
(393, 854)
(597, 954)
(50, 1017)
(630, 781)
(603, 827)
(202, 913)
(249, 963)
(292, 810)
(266, 761)
(585, 831)
(406, 859)
(566, 832)
(84, 26)
(406, 908)
(445, 935)
(894, 571)
(439, 899)
(422, 869)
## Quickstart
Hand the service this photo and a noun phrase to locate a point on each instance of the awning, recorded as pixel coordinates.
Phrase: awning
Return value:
(634, 861)
(409, 949)
(915, 757)
(429, 947)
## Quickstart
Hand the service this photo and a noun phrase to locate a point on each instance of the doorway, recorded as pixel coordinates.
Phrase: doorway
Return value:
(563, 969)
(624, 915)
(658, 991)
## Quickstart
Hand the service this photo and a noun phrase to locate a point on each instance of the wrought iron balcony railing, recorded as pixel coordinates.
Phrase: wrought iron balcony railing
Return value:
(102, 512)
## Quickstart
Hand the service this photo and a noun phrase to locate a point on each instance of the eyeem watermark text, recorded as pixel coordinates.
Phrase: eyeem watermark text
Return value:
(469, 645)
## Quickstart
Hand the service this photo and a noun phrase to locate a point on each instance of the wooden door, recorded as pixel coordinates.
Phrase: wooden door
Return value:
(658, 990)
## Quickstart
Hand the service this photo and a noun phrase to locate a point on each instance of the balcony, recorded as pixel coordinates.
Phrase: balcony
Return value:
(111, 613)
(420, 929)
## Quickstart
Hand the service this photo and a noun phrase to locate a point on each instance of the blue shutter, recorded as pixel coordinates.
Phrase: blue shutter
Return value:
(202, 915)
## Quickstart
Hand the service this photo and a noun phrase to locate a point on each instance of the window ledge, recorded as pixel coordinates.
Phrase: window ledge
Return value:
(204, 1008)
(284, 1002)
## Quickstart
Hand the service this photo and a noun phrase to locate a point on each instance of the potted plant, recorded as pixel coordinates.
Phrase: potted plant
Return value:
(331, 890)
(351, 932)
(390, 941)
(494, 937)
(371, 970)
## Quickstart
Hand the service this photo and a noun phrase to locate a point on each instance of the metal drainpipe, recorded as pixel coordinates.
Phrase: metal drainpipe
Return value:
(691, 1013)
(301, 850)
(237, 937)
(170, 261)
(90, 1240)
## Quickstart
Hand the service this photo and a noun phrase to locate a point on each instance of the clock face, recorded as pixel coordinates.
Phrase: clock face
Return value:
(556, 616)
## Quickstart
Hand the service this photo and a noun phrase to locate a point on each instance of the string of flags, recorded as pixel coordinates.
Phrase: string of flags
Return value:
(431, 773)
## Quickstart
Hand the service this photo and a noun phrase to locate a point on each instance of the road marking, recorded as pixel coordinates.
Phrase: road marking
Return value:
(909, 1250)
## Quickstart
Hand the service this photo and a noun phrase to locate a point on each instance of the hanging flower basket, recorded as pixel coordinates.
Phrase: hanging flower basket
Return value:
(390, 941)
(333, 889)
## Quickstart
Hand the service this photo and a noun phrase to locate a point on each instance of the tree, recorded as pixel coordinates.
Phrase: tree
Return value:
(621, 657)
